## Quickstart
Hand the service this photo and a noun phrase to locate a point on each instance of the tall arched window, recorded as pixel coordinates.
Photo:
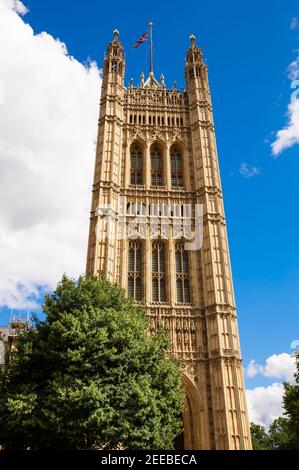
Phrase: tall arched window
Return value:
(182, 274)
(156, 166)
(176, 165)
(136, 165)
(135, 270)
(158, 272)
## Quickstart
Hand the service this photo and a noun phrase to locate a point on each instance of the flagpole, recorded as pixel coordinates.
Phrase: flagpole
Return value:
(151, 46)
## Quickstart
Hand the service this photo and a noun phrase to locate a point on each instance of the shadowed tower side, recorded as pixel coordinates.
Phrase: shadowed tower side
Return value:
(156, 168)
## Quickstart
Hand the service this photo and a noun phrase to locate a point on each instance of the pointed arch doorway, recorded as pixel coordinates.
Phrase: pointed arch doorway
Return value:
(190, 438)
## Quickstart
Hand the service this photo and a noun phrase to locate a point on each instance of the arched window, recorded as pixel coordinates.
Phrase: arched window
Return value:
(136, 165)
(135, 270)
(156, 166)
(158, 272)
(182, 274)
(176, 165)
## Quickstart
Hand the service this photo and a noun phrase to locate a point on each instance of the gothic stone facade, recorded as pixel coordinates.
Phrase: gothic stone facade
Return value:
(157, 146)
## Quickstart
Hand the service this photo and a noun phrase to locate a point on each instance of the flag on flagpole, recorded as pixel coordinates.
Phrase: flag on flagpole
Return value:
(142, 38)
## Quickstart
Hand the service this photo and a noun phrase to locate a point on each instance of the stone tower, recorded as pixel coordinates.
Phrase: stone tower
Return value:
(157, 185)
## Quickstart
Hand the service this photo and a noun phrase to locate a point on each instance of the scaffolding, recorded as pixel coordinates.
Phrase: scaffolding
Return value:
(18, 323)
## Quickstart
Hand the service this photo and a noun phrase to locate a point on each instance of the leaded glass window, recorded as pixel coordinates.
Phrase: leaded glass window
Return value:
(136, 165)
(176, 166)
(156, 166)
(135, 270)
(158, 272)
(182, 274)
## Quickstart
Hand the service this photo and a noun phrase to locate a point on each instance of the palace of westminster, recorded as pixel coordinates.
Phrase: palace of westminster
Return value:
(156, 148)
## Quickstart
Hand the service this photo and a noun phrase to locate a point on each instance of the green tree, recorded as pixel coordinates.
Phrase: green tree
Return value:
(260, 439)
(291, 406)
(283, 433)
(279, 434)
(90, 376)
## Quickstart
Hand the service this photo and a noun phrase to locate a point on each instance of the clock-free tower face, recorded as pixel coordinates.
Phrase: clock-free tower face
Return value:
(158, 229)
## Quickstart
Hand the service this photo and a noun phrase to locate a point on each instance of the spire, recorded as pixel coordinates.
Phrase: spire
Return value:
(195, 68)
(192, 39)
(115, 48)
(194, 55)
(114, 61)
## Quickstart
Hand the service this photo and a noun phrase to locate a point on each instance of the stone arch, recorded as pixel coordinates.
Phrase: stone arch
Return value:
(191, 416)
(137, 138)
(156, 139)
(179, 143)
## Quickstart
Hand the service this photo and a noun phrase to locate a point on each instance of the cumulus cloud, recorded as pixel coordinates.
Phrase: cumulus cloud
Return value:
(295, 344)
(249, 171)
(265, 404)
(48, 120)
(280, 366)
(289, 135)
(294, 23)
(17, 6)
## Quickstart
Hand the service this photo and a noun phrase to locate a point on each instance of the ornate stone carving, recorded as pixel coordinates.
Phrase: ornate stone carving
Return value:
(148, 113)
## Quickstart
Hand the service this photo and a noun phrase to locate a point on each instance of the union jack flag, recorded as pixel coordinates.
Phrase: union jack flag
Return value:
(142, 38)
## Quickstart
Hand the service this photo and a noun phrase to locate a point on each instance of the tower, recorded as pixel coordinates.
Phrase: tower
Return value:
(158, 229)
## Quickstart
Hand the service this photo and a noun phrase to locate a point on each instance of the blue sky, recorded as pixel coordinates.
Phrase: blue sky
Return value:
(248, 46)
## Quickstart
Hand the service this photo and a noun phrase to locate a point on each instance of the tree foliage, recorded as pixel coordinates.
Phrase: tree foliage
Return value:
(291, 406)
(279, 434)
(89, 376)
(259, 437)
(283, 433)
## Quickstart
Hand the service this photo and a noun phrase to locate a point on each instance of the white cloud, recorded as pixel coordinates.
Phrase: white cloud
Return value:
(16, 5)
(280, 366)
(289, 135)
(249, 171)
(265, 404)
(295, 344)
(294, 23)
(47, 147)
